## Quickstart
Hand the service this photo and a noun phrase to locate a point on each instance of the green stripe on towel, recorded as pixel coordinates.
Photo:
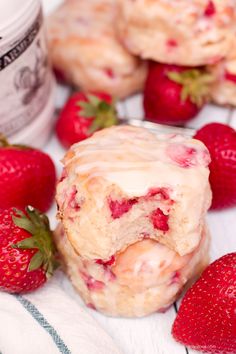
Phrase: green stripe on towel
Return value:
(38, 316)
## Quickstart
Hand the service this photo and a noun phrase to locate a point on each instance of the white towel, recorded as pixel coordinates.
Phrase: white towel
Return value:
(49, 321)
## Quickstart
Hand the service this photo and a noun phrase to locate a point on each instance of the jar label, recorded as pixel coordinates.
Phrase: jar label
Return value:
(26, 79)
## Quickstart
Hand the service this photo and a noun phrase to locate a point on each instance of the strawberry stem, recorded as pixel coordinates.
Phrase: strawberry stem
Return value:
(3, 141)
(195, 84)
(104, 113)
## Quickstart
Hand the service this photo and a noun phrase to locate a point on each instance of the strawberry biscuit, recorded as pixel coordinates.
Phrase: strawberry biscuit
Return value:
(124, 183)
(127, 195)
(145, 278)
(85, 49)
(196, 32)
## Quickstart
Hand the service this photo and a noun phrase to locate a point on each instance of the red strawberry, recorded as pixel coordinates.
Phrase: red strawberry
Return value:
(206, 320)
(26, 250)
(82, 115)
(230, 76)
(220, 140)
(174, 94)
(27, 177)
(210, 9)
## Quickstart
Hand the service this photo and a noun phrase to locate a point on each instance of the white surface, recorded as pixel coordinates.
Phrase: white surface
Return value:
(58, 309)
(151, 335)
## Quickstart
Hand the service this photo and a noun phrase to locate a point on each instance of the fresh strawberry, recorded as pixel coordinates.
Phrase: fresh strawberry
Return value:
(82, 115)
(220, 140)
(26, 250)
(27, 177)
(206, 320)
(174, 94)
(230, 77)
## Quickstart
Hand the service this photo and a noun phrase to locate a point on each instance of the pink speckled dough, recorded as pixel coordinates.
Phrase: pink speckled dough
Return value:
(147, 277)
(86, 51)
(184, 32)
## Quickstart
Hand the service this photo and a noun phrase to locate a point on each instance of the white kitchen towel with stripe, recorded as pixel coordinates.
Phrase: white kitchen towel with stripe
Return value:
(49, 321)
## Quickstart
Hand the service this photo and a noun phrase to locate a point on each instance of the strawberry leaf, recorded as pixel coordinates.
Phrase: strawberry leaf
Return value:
(94, 100)
(87, 110)
(184, 94)
(27, 243)
(36, 261)
(195, 84)
(3, 141)
(37, 224)
(103, 113)
(175, 76)
(24, 223)
(96, 124)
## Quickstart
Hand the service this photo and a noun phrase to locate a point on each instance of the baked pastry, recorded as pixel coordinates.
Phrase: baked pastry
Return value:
(183, 32)
(126, 193)
(223, 90)
(125, 183)
(85, 49)
(145, 278)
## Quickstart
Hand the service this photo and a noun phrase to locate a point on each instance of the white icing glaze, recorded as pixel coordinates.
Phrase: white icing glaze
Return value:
(137, 160)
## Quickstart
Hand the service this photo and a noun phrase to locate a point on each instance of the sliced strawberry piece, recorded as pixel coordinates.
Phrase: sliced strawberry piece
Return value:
(210, 9)
(108, 263)
(120, 207)
(230, 77)
(159, 220)
(187, 156)
(172, 43)
(162, 192)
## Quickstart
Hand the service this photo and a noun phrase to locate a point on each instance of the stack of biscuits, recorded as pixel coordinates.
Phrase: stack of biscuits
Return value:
(132, 207)
(104, 44)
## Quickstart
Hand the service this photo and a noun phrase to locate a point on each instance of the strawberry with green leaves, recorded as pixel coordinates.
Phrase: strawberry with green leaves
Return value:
(27, 252)
(174, 94)
(84, 114)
